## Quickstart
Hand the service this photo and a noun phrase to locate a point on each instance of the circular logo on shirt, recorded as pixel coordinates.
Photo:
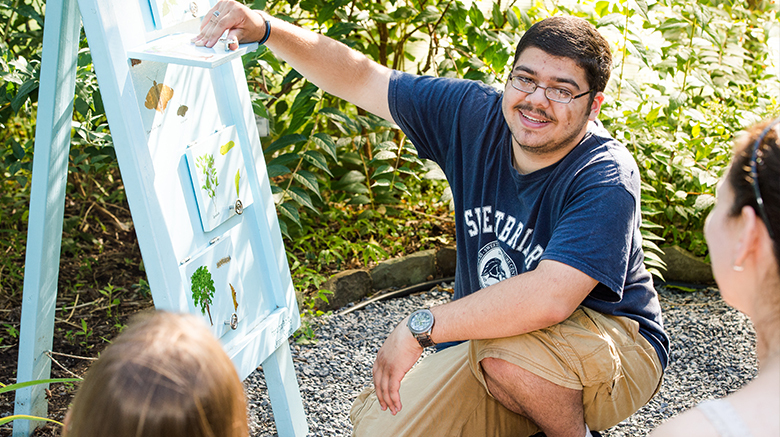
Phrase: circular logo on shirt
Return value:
(494, 265)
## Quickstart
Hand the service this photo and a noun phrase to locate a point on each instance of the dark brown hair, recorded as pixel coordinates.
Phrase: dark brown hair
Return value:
(574, 38)
(164, 376)
(768, 165)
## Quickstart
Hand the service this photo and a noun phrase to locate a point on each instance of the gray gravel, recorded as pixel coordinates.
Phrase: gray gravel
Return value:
(713, 354)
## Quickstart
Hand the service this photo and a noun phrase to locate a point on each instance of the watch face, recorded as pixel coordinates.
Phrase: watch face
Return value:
(421, 321)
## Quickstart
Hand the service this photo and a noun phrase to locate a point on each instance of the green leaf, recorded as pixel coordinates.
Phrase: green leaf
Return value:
(359, 200)
(308, 180)
(325, 142)
(8, 419)
(318, 160)
(381, 183)
(340, 119)
(476, 16)
(511, 17)
(351, 177)
(18, 385)
(277, 170)
(288, 210)
(429, 15)
(384, 155)
(285, 159)
(27, 87)
(302, 197)
(283, 142)
(384, 168)
(28, 11)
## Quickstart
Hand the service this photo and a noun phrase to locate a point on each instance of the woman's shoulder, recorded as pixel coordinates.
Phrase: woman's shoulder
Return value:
(691, 423)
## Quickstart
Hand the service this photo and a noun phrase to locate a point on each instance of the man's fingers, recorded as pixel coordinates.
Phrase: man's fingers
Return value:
(394, 387)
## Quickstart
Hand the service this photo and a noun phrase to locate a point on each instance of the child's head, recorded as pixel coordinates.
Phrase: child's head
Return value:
(165, 375)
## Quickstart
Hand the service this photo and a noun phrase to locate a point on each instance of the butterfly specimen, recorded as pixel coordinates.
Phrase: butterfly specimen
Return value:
(158, 97)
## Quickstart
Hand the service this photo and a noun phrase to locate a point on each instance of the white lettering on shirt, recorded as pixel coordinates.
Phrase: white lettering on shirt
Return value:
(486, 226)
(473, 229)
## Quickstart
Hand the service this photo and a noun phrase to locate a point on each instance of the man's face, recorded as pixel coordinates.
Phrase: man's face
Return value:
(540, 126)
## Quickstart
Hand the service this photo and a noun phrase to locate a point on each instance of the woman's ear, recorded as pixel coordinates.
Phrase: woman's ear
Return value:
(749, 232)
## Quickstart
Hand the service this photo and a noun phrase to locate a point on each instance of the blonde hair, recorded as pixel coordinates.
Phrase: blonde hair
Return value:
(165, 375)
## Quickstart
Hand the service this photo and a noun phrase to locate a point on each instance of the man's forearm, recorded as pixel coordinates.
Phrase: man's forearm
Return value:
(333, 66)
(524, 303)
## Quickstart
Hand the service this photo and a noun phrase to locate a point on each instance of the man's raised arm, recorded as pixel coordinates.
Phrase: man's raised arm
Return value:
(329, 64)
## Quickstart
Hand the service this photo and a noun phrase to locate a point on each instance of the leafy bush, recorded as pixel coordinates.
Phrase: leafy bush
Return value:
(687, 78)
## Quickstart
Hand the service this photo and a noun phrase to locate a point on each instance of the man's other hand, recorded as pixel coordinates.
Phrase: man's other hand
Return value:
(396, 356)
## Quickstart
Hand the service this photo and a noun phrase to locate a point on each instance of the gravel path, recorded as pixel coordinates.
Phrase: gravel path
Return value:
(713, 354)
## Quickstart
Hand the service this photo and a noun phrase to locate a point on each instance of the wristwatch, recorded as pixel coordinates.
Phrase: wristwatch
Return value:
(421, 324)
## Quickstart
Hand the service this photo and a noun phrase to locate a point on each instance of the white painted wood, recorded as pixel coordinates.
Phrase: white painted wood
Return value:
(157, 111)
(47, 205)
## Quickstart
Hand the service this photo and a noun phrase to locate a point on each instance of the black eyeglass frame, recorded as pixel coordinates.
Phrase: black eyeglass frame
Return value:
(754, 162)
(536, 85)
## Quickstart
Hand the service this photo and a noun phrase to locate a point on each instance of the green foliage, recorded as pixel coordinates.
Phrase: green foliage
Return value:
(349, 187)
(203, 290)
(688, 78)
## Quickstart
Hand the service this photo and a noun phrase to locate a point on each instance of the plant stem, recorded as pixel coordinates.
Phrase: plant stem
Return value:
(8, 23)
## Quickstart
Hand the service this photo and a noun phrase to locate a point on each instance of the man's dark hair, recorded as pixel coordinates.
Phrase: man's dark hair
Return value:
(573, 38)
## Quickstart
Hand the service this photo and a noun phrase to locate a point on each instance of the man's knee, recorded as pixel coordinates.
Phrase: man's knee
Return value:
(502, 378)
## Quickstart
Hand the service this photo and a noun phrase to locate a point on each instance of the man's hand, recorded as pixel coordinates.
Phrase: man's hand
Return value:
(242, 24)
(396, 356)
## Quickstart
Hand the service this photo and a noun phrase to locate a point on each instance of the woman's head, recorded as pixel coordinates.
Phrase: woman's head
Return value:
(165, 375)
(749, 195)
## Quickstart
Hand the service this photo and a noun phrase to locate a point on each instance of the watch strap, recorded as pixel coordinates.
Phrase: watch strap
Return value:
(424, 339)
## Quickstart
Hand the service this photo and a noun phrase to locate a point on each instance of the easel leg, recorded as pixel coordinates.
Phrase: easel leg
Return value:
(284, 393)
(47, 205)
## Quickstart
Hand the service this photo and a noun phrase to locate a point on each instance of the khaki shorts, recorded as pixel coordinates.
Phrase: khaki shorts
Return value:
(616, 368)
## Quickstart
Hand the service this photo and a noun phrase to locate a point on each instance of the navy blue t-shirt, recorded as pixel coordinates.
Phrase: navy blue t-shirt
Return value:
(582, 211)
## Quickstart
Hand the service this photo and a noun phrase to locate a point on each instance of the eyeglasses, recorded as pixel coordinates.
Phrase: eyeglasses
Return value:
(755, 161)
(559, 95)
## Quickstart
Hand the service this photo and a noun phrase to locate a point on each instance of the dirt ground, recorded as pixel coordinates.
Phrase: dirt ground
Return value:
(101, 249)
(111, 257)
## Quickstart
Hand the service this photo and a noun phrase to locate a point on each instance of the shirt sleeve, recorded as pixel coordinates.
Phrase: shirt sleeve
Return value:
(432, 111)
(595, 234)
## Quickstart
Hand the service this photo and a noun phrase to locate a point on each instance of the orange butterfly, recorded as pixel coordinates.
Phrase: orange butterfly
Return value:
(158, 96)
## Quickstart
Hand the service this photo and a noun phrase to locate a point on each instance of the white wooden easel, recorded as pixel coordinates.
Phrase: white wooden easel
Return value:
(169, 106)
